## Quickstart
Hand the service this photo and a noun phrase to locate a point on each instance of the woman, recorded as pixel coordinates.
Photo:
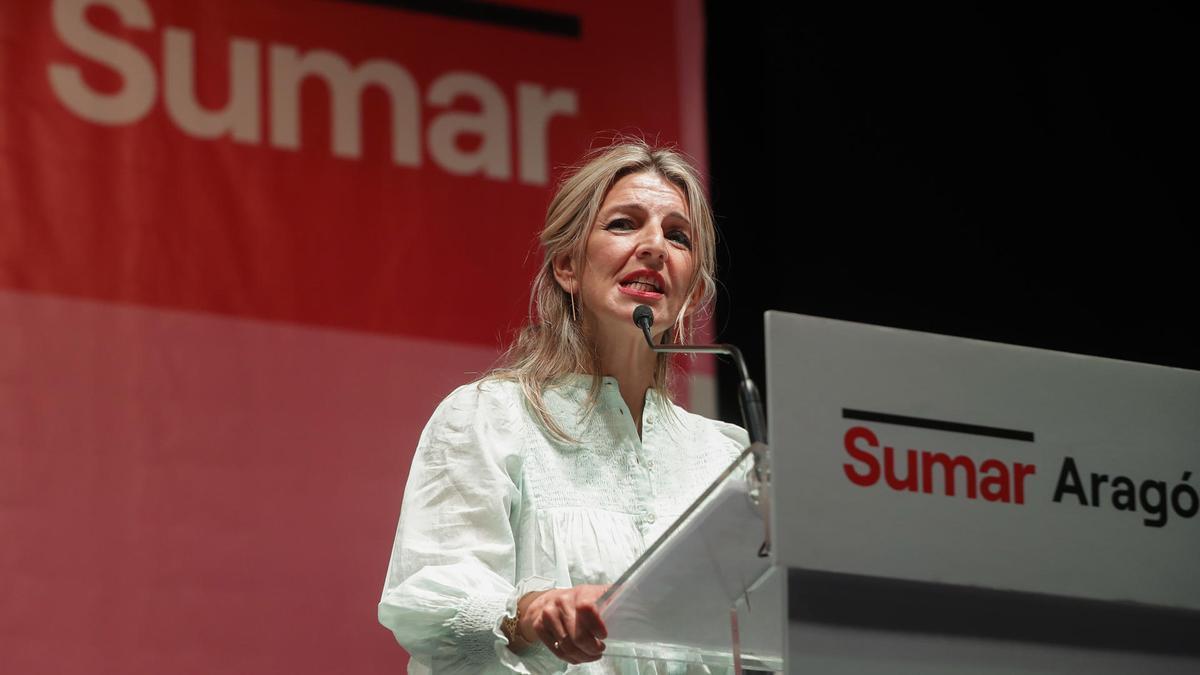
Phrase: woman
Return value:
(537, 486)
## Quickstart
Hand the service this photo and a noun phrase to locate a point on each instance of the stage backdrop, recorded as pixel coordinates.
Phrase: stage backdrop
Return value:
(245, 248)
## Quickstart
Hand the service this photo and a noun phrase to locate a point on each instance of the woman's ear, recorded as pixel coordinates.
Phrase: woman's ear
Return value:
(565, 273)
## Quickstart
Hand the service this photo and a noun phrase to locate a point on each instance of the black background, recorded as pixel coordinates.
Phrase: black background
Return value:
(1028, 181)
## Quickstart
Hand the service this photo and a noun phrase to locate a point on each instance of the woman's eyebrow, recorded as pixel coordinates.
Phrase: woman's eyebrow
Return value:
(680, 216)
(641, 210)
(630, 206)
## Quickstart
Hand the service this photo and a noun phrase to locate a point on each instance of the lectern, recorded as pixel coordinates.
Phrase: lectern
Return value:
(936, 505)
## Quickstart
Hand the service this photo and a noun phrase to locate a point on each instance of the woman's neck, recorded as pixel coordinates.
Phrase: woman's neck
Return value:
(625, 356)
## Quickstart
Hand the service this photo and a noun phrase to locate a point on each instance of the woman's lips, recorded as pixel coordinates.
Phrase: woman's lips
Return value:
(639, 293)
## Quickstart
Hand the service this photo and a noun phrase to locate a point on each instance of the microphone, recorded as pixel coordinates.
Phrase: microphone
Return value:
(748, 397)
(643, 317)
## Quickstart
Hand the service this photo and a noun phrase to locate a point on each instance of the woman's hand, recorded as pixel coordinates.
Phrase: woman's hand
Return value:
(567, 620)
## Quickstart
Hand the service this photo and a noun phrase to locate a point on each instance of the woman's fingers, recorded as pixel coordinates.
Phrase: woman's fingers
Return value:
(584, 624)
(569, 623)
(550, 631)
(587, 618)
(578, 644)
(581, 636)
(574, 653)
(554, 632)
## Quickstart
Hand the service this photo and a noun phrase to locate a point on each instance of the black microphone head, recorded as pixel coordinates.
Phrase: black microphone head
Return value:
(643, 316)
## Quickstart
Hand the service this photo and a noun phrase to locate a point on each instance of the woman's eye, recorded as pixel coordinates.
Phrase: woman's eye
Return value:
(619, 224)
(680, 237)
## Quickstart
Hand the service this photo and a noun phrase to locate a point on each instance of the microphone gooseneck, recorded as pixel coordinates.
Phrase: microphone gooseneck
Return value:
(748, 397)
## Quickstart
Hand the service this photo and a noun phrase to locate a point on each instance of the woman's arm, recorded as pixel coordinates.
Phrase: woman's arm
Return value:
(452, 574)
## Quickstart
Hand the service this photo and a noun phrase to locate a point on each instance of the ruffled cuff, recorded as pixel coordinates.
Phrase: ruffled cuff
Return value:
(537, 659)
(472, 624)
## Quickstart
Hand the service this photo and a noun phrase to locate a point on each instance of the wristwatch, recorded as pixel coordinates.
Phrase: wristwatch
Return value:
(511, 627)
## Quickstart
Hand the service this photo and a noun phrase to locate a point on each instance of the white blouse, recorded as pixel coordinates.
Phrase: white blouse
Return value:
(495, 507)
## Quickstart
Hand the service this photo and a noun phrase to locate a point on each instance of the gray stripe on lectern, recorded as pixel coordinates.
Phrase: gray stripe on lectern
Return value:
(876, 603)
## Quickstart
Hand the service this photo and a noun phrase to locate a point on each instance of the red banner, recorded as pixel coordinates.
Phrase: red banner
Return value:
(328, 163)
(245, 247)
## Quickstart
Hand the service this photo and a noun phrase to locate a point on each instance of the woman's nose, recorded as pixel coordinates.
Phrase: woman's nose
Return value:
(652, 244)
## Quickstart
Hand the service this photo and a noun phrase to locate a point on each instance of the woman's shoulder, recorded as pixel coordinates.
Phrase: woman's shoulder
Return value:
(733, 432)
(487, 392)
(482, 416)
(699, 424)
(488, 396)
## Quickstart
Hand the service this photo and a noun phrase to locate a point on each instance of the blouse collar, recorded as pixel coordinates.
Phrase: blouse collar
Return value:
(576, 386)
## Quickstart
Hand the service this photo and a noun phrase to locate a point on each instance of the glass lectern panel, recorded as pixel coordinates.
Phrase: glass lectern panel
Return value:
(678, 603)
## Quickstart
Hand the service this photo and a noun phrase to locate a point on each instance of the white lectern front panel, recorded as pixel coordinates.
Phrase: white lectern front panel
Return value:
(944, 461)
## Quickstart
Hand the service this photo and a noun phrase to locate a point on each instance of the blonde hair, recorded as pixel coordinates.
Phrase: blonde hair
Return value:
(554, 342)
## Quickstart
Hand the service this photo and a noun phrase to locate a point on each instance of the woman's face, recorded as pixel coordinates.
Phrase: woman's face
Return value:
(639, 252)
